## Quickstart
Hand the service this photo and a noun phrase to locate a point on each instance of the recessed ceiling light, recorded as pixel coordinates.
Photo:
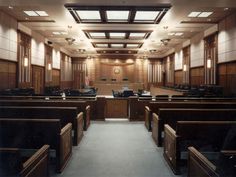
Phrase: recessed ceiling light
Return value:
(10, 7)
(117, 45)
(64, 33)
(205, 14)
(89, 15)
(171, 34)
(56, 33)
(31, 13)
(117, 16)
(226, 8)
(194, 14)
(42, 13)
(146, 15)
(117, 35)
(178, 34)
(97, 34)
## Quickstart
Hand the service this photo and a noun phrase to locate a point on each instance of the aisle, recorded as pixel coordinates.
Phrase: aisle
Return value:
(112, 149)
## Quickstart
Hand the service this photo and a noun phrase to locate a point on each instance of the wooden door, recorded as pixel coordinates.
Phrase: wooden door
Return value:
(38, 79)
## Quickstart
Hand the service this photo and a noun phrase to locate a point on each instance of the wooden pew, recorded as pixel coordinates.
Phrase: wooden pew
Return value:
(153, 107)
(65, 114)
(199, 165)
(81, 106)
(172, 115)
(202, 134)
(12, 163)
(33, 133)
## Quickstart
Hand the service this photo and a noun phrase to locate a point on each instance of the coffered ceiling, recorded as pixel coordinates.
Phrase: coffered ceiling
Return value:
(134, 28)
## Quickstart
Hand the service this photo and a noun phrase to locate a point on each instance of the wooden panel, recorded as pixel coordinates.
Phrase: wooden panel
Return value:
(7, 74)
(226, 75)
(55, 77)
(178, 77)
(66, 84)
(117, 108)
(197, 76)
(38, 79)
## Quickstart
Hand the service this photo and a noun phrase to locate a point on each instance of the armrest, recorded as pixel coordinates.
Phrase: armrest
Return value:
(67, 127)
(228, 152)
(37, 164)
(80, 124)
(169, 130)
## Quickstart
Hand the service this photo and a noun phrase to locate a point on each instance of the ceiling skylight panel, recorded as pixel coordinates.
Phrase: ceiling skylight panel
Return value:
(119, 16)
(97, 35)
(194, 14)
(31, 13)
(42, 13)
(132, 45)
(102, 45)
(137, 35)
(146, 15)
(205, 14)
(89, 15)
(117, 35)
(117, 45)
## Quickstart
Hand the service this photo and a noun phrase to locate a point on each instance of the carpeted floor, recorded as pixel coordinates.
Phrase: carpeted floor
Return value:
(117, 149)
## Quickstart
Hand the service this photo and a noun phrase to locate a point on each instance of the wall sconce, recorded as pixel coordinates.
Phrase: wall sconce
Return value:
(26, 61)
(209, 63)
(49, 66)
(185, 67)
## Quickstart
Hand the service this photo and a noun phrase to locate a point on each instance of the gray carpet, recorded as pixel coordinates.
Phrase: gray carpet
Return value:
(117, 149)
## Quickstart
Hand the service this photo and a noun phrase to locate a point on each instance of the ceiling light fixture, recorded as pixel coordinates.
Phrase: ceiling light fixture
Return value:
(70, 40)
(200, 14)
(165, 41)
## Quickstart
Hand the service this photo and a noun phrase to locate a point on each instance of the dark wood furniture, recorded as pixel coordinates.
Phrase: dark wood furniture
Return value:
(209, 135)
(153, 107)
(65, 114)
(200, 165)
(170, 116)
(81, 106)
(33, 133)
(12, 163)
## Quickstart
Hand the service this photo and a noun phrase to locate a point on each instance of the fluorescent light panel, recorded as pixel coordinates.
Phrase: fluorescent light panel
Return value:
(117, 16)
(132, 45)
(194, 14)
(137, 35)
(200, 14)
(42, 13)
(117, 45)
(205, 14)
(31, 13)
(97, 35)
(117, 35)
(146, 15)
(89, 15)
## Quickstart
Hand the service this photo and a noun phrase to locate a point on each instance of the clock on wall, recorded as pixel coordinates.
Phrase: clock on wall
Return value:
(117, 71)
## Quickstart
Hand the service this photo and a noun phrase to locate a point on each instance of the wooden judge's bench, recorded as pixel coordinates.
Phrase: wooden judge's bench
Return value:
(106, 87)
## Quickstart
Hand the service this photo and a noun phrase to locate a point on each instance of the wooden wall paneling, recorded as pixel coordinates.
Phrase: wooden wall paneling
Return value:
(55, 77)
(179, 77)
(8, 74)
(226, 74)
(197, 76)
(38, 79)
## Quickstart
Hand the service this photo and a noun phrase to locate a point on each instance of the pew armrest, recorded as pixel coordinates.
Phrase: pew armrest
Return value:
(65, 147)
(87, 117)
(37, 164)
(171, 149)
(80, 124)
(148, 118)
(199, 165)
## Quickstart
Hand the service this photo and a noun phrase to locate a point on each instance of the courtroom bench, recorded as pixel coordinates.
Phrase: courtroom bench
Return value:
(170, 116)
(65, 114)
(33, 133)
(200, 165)
(81, 106)
(153, 107)
(14, 163)
(207, 135)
